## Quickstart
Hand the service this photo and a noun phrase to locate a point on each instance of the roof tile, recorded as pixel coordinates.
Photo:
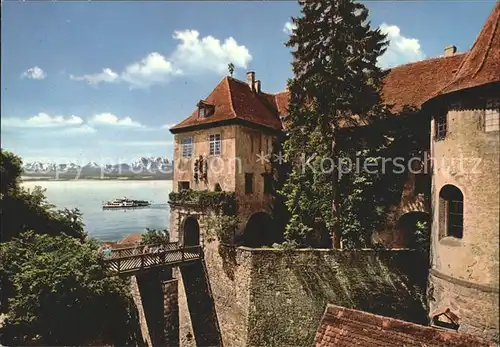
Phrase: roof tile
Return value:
(341, 326)
(233, 99)
(406, 87)
(482, 64)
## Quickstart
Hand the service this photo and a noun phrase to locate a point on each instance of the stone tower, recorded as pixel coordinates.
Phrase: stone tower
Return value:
(464, 275)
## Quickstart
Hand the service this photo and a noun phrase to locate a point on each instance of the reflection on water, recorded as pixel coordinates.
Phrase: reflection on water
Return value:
(112, 224)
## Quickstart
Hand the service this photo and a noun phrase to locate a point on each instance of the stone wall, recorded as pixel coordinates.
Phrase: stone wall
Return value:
(222, 167)
(268, 297)
(475, 305)
(250, 144)
(468, 159)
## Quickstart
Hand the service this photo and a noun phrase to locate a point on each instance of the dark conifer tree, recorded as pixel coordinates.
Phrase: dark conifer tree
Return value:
(336, 81)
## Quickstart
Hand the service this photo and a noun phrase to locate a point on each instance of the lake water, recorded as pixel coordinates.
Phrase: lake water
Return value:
(111, 225)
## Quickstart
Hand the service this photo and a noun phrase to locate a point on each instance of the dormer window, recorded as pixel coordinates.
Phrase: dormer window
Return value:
(441, 126)
(205, 109)
(202, 112)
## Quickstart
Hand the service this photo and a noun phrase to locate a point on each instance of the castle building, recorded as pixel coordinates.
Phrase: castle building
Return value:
(464, 275)
(228, 133)
(455, 101)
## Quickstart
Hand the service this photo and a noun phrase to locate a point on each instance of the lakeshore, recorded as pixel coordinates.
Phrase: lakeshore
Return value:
(111, 225)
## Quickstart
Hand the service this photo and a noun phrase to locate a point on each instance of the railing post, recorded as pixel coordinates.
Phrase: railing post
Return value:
(118, 266)
(182, 254)
(142, 260)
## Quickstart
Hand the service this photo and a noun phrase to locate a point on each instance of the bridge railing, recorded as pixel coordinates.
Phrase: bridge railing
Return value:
(141, 249)
(122, 261)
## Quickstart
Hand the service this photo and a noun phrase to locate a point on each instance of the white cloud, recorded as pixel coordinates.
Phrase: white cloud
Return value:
(34, 73)
(193, 54)
(84, 129)
(111, 119)
(167, 126)
(401, 49)
(151, 70)
(208, 53)
(41, 120)
(107, 75)
(288, 28)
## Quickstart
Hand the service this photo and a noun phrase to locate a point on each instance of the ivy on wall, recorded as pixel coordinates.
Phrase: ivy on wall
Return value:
(222, 222)
(219, 202)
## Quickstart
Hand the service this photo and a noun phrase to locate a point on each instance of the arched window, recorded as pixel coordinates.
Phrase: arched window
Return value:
(451, 214)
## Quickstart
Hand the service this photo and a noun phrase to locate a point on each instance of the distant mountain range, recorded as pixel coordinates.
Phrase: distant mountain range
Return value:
(142, 168)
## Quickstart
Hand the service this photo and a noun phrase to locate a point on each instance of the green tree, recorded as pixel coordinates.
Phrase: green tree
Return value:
(62, 292)
(335, 81)
(155, 237)
(23, 209)
(55, 286)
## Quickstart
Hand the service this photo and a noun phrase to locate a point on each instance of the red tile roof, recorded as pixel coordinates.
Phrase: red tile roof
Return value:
(345, 327)
(409, 86)
(233, 99)
(406, 87)
(131, 239)
(482, 64)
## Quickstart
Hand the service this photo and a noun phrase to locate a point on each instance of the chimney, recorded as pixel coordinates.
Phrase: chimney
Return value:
(450, 50)
(251, 79)
(257, 86)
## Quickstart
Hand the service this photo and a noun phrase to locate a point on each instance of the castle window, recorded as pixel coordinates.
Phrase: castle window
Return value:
(183, 185)
(441, 126)
(451, 205)
(492, 115)
(202, 112)
(205, 109)
(268, 183)
(215, 144)
(187, 147)
(248, 183)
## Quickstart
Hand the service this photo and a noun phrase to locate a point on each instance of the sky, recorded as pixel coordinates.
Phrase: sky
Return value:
(103, 81)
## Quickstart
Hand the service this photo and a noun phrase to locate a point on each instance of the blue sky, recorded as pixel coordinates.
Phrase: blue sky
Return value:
(90, 81)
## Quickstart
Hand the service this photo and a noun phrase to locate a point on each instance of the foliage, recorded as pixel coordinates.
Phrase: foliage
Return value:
(55, 289)
(62, 293)
(222, 227)
(279, 174)
(422, 236)
(218, 201)
(335, 77)
(155, 237)
(366, 196)
(24, 209)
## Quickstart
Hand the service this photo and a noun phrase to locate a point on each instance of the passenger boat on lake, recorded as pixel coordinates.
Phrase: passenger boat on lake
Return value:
(125, 203)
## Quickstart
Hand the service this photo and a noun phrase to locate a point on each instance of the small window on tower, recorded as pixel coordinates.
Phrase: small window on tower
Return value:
(214, 144)
(187, 146)
(248, 183)
(441, 126)
(492, 115)
(268, 183)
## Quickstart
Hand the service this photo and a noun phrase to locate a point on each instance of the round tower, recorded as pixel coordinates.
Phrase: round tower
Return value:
(463, 288)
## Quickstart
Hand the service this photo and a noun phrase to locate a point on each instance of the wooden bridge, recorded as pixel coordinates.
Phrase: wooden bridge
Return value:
(131, 259)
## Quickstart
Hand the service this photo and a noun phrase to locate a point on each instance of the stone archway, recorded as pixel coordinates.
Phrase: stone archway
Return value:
(408, 232)
(260, 231)
(191, 232)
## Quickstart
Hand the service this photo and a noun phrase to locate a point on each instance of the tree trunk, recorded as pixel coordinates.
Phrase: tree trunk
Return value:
(335, 233)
